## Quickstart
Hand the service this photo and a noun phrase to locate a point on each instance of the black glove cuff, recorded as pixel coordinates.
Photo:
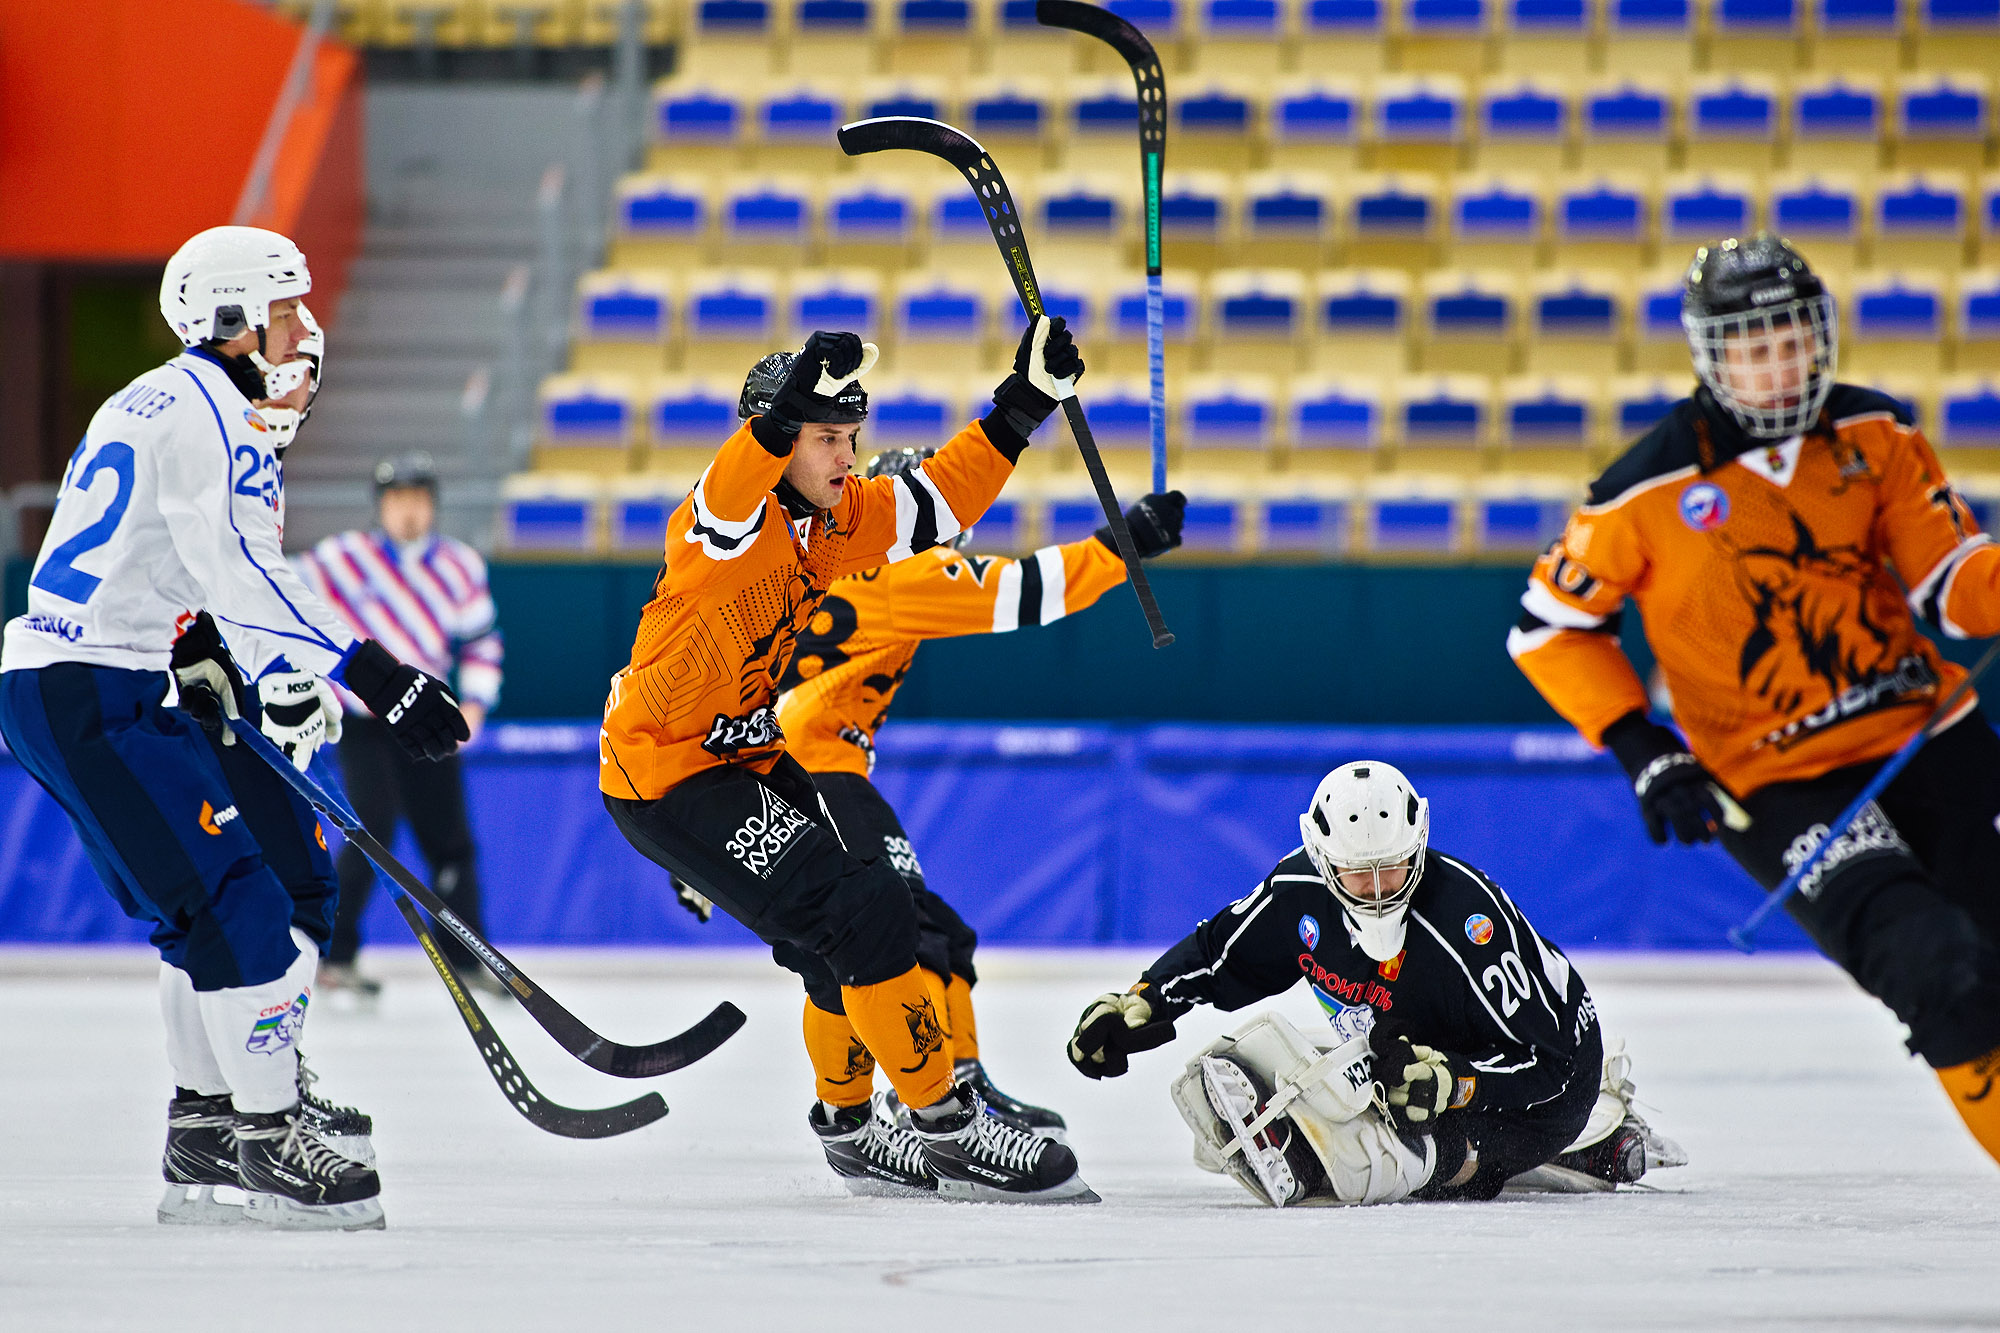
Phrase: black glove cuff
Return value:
(1017, 394)
(1637, 741)
(367, 670)
(776, 436)
(1007, 432)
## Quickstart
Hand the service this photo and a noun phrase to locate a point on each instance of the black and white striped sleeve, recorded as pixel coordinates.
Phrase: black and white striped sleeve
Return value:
(1244, 953)
(1033, 591)
(924, 518)
(721, 538)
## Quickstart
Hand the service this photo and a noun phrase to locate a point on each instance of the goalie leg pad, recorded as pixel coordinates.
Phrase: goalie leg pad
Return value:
(1329, 1098)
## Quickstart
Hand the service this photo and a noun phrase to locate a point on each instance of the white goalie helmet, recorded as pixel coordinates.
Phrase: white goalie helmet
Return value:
(222, 282)
(1365, 832)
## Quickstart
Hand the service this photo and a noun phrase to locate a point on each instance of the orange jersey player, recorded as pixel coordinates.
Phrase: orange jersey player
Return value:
(850, 661)
(1781, 535)
(693, 764)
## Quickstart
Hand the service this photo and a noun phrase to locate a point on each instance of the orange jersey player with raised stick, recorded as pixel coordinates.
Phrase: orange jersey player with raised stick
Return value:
(850, 662)
(1782, 534)
(693, 762)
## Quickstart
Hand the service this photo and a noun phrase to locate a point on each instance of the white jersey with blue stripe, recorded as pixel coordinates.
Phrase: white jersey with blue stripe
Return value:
(173, 503)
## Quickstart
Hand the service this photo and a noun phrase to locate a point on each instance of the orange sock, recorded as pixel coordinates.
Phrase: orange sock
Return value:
(900, 1021)
(1974, 1088)
(843, 1070)
(964, 1027)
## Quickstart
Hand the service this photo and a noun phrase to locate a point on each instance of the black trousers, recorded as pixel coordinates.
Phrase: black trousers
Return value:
(1908, 899)
(869, 827)
(386, 787)
(1510, 1142)
(763, 847)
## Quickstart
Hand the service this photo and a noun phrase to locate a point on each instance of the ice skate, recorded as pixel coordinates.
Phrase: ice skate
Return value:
(203, 1188)
(347, 1131)
(870, 1151)
(1035, 1119)
(978, 1156)
(1273, 1162)
(1616, 1148)
(343, 987)
(298, 1183)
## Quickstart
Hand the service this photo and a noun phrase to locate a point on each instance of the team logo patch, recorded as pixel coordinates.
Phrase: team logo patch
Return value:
(212, 819)
(255, 419)
(277, 1026)
(1479, 928)
(768, 837)
(1704, 506)
(1309, 932)
(1392, 969)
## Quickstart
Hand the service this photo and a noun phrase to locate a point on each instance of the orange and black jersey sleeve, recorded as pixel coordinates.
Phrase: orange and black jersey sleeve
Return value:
(1780, 585)
(1474, 978)
(855, 651)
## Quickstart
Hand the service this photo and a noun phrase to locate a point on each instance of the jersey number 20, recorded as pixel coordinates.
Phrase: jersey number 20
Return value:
(59, 574)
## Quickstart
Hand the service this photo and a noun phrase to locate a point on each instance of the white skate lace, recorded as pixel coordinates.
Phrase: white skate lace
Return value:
(302, 1146)
(900, 1150)
(315, 1103)
(998, 1141)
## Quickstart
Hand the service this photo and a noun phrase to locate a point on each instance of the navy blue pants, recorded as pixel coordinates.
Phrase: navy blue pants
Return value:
(201, 839)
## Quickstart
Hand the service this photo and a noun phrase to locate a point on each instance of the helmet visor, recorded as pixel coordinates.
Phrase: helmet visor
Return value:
(1772, 368)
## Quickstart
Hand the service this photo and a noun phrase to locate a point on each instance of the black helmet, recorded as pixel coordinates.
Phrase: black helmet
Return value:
(412, 469)
(1759, 292)
(768, 376)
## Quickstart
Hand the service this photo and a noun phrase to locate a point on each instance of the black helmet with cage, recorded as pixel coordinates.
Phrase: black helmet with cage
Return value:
(1763, 332)
(415, 468)
(761, 385)
(896, 462)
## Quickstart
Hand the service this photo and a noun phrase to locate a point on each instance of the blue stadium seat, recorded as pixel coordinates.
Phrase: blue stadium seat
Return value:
(1125, 305)
(1733, 125)
(795, 130)
(1648, 36)
(1443, 421)
(767, 220)
(1287, 220)
(957, 221)
(871, 222)
(637, 510)
(1471, 323)
(732, 319)
(696, 129)
(1603, 222)
(1401, 517)
(1394, 221)
(1495, 220)
(1418, 123)
(848, 300)
(694, 414)
(934, 37)
(1362, 322)
(904, 98)
(549, 513)
(1523, 125)
(1121, 414)
(1064, 295)
(1213, 127)
(1625, 126)
(1837, 124)
(1859, 36)
(1958, 34)
(1315, 127)
(1920, 221)
(1336, 424)
(1196, 229)
(1257, 320)
(835, 35)
(1942, 121)
(1019, 41)
(1212, 524)
(1575, 323)
(1446, 36)
(1547, 413)
(1341, 37)
(1638, 402)
(1756, 34)
(1304, 524)
(1003, 528)
(1103, 125)
(1238, 412)
(1978, 318)
(1537, 36)
(1700, 210)
(912, 413)
(1239, 37)
(1514, 514)
(1072, 518)
(1822, 215)
(1087, 220)
(586, 422)
(1969, 414)
(730, 41)
(941, 324)
(659, 220)
(1894, 327)
(1009, 109)
(1659, 342)
(624, 319)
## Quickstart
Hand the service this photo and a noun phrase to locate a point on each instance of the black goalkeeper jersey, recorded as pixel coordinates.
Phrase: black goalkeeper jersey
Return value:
(1474, 978)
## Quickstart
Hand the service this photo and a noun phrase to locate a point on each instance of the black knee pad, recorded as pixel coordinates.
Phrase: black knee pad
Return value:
(1926, 960)
(822, 987)
(866, 925)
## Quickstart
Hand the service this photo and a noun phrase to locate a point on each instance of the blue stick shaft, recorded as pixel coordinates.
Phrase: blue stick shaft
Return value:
(1156, 357)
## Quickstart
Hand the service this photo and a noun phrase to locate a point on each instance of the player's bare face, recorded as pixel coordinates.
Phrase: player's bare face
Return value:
(1369, 884)
(408, 512)
(1767, 369)
(821, 462)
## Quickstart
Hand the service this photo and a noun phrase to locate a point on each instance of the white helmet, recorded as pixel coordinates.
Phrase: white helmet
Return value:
(221, 283)
(1365, 820)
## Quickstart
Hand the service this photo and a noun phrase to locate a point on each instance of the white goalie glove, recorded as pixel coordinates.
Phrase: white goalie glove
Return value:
(301, 714)
(1295, 1122)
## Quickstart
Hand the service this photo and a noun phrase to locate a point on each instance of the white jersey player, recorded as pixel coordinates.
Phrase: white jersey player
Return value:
(169, 514)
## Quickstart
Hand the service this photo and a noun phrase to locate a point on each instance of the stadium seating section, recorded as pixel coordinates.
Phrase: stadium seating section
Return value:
(1423, 256)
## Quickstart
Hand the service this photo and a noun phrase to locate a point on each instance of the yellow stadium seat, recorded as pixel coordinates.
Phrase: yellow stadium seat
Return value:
(941, 42)
(730, 318)
(1497, 220)
(1392, 220)
(1655, 38)
(1287, 219)
(1362, 322)
(942, 322)
(1122, 347)
(624, 321)
(552, 513)
(767, 219)
(1216, 125)
(1761, 35)
(1418, 123)
(735, 46)
(1470, 322)
(1444, 39)
(792, 128)
(1413, 513)
(428, 23)
(1314, 124)
(1823, 213)
(1552, 425)
(1942, 120)
(1257, 321)
(1577, 323)
(1604, 220)
(687, 419)
(526, 24)
(1518, 513)
(1976, 320)
(1442, 424)
(1638, 402)
(1198, 220)
(1626, 124)
(587, 423)
(1524, 124)
(1948, 40)
(1895, 323)
(1243, 41)
(1343, 38)
(1837, 123)
(1659, 343)
(660, 220)
(1337, 425)
(1017, 42)
(1733, 123)
(835, 35)
(697, 127)
(1097, 125)
(1859, 38)
(1920, 220)
(1540, 38)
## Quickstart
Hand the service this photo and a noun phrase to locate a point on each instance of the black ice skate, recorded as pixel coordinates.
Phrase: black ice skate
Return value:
(298, 1183)
(347, 1131)
(979, 1156)
(871, 1152)
(1035, 1119)
(203, 1188)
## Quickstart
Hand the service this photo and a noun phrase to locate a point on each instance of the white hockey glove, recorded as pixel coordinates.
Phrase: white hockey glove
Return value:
(1114, 1027)
(1420, 1083)
(300, 714)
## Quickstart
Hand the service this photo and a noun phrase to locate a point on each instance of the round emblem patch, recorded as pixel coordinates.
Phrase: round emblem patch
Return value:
(1478, 928)
(1704, 506)
(255, 420)
(1309, 932)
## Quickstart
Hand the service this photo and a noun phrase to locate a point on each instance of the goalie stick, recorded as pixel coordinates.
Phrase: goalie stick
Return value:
(976, 165)
(1151, 81)
(600, 1053)
(1744, 937)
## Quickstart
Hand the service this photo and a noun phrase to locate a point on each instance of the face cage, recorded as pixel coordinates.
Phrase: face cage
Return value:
(1709, 337)
(1393, 905)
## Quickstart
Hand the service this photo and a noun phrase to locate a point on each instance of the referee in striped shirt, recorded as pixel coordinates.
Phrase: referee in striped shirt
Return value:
(424, 596)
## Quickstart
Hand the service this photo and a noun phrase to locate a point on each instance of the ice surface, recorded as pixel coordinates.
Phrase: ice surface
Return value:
(1831, 1186)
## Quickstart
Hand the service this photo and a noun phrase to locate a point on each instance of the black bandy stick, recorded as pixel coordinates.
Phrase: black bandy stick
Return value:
(976, 165)
(600, 1053)
(1151, 81)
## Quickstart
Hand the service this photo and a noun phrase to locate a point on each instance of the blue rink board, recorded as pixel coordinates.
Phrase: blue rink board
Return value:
(1040, 835)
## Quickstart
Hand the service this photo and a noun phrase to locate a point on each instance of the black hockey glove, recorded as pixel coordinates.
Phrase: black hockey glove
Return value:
(211, 688)
(1676, 794)
(1046, 369)
(799, 400)
(420, 710)
(1114, 1027)
(1421, 1083)
(698, 904)
(1155, 524)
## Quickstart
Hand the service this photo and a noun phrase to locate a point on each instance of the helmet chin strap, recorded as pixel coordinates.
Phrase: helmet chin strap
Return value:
(242, 370)
(795, 503)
